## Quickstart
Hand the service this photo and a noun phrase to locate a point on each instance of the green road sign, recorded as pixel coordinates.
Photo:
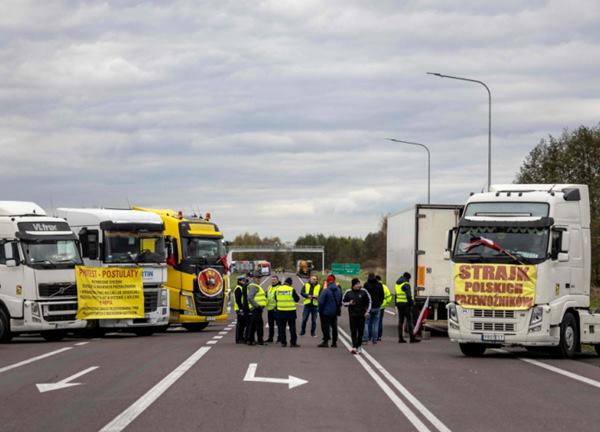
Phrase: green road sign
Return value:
(345, 269)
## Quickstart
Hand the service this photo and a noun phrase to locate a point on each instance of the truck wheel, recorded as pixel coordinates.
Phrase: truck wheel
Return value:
(569, 337)
(195, 327)
(472, 349)
(145, 331)
(54, 335)
(597, 349)
(5, 333)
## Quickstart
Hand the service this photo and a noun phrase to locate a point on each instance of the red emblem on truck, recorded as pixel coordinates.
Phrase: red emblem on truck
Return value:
(210, 282)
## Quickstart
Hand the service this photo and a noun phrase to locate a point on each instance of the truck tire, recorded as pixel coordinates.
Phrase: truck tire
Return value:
(54, 335)
(472, 349)
(144, 331)
(597, 349)
(5, 333)
(195, 327)
(569, 337)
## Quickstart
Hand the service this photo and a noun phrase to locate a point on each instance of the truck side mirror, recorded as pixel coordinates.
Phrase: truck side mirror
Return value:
(449, 243)
(563, 257)
(89, 243)
(565, 241)
(11, 254)
(446, 255)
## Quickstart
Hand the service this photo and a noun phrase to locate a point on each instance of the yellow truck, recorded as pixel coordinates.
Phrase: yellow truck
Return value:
(196, 269)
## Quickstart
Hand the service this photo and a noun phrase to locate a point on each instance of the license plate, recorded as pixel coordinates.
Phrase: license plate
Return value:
(210, 318)
(492, 337)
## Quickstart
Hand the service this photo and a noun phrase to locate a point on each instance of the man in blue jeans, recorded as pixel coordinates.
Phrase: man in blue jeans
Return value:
(310, 293)
(375, 290)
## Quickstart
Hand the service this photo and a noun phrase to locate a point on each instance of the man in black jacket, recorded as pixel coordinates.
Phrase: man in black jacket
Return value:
(404, 304)
(358, 302)
(375, 290)
(242, 310)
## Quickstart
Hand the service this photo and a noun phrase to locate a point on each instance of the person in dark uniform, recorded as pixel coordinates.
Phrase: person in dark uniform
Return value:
(285, 307)
(404, 304)
(242, 309)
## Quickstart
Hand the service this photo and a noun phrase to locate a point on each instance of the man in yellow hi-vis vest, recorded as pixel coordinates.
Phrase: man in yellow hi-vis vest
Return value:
(387, 301)
(404, 303)
(310, 293)
(257, 300)
(271, 308)
(285, 305)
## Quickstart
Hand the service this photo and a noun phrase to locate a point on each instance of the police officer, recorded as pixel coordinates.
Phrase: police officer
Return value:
(404, 303)
(271, 308)
(285, 305)
(387, 301)
(257, 300)
(242, 309)
(310, 292)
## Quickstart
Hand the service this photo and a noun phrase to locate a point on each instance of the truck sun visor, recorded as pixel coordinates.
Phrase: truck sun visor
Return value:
(132, 226)
(543, 222)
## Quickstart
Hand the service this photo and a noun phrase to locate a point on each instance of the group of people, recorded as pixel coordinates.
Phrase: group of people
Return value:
(365, 303)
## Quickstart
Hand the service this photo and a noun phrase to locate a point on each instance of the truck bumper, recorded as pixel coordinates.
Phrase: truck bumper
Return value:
(41, 316)
(502, 328)
(185, 319)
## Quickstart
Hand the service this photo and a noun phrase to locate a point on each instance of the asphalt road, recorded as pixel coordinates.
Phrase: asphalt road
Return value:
(195, 382)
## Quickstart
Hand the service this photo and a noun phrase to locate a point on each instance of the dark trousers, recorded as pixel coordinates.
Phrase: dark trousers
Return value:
(257, 325)
(287, 321)
(329, 328)
(357, 328)
(309, 310)
(404, 314)
(241, 327)
(271, 320)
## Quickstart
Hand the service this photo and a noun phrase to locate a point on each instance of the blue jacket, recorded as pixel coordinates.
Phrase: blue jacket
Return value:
(330, 300)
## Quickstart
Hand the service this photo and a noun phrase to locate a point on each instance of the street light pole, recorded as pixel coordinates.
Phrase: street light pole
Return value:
(489, 117)
(428, 163)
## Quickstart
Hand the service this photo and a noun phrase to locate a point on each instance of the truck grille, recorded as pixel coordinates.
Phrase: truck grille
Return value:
(494, 326)
(150, 301)
(208, 306)
(488, 313)
(60, 289)
(53, 312)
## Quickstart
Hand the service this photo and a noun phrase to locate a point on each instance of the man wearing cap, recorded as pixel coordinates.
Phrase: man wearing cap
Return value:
(257, 300)
(285, 306)
(330, 301)
(310, 292)
(271, 308)
(404, 303)
(242, 310)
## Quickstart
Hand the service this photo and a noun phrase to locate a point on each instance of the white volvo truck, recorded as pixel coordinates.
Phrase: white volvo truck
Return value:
(522, 268)
(126, 238)
(38, 255)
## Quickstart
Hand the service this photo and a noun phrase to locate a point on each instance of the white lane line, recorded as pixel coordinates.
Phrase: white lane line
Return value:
(217, 337)
(223, 332)
(34, 359)
(555, 369)
(124, 419)
(81, 343)
(211, 342)
(404, 392)
(390, 312)
(402, 407)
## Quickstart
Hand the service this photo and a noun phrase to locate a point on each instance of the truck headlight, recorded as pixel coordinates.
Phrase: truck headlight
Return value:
(189, 303)
(537, 314)
(35, 310)
(163, 297)
(452, 314)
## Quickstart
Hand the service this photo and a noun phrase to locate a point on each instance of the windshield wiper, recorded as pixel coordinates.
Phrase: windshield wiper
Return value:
(46, 263)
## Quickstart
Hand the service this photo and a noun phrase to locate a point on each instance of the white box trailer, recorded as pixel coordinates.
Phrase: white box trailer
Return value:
(416, 241)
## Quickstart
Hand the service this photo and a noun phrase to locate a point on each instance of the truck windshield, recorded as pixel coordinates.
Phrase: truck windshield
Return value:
(206, 249)
(526, 244)
(507, 209)
(51, 254)
(133, 247)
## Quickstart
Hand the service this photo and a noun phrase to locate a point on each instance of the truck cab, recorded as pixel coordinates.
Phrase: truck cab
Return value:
(38, 255)
(126, 238)
(197, 274)
(522, 265)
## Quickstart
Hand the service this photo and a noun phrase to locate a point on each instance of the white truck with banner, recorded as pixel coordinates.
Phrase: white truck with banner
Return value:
(416, 241)
(38, 255)
(522, 270)
(119, 238)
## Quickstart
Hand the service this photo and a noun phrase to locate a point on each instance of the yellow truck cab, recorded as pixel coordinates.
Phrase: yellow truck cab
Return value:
(196, 273)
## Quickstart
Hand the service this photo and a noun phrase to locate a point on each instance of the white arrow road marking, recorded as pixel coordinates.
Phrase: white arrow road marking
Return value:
(65, 382)
(291, 381)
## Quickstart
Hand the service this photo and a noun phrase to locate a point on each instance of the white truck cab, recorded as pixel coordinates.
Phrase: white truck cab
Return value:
(126, 238)
(522, 266)
(38, 255)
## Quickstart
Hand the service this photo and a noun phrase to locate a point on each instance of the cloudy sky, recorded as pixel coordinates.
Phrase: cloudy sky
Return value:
(272, 114)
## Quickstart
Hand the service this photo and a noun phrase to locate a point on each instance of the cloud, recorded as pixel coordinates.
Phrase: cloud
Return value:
(273, 114)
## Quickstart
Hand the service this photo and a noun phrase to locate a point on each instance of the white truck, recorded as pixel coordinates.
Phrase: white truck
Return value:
(522, 264)
(38, 255)
(416, 241)
(126, 238)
